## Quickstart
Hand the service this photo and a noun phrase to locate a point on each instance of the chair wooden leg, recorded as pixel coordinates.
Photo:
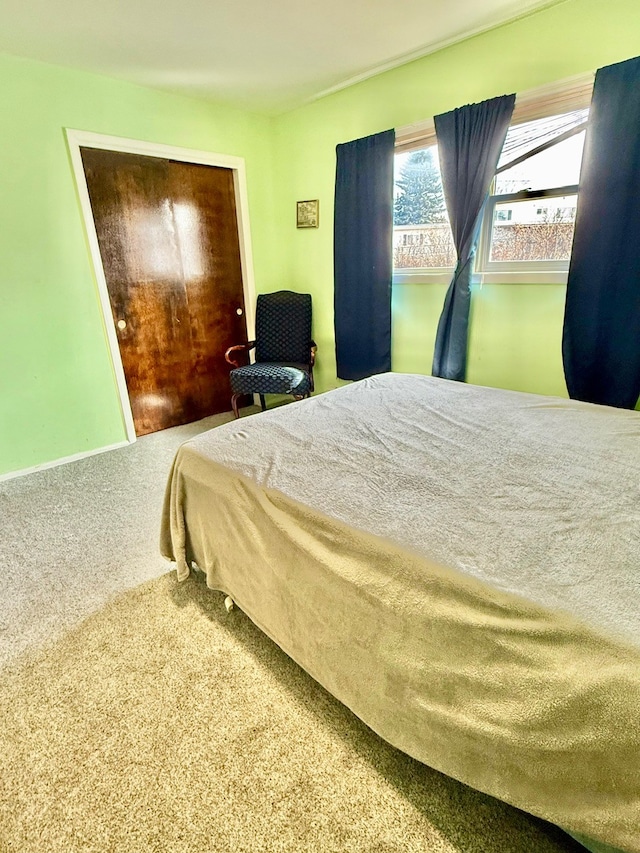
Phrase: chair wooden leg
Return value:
(234, 404)
(263, 403)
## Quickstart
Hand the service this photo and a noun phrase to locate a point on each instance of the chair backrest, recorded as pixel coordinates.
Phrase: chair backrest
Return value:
(283, 327)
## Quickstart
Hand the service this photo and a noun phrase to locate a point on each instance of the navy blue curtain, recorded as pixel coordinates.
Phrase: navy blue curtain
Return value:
(362, 259)
(470, 140)
(601, 339)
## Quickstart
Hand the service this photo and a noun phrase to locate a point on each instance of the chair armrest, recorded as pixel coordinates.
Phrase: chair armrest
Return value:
(238, 349)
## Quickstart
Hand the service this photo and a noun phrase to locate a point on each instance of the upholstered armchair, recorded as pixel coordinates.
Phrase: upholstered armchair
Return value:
(284, 351)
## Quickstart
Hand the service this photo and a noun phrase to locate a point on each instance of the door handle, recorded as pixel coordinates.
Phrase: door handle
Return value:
(239, 312)
(122, 324)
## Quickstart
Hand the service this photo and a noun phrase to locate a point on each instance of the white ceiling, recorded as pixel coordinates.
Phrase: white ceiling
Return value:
(264, 55)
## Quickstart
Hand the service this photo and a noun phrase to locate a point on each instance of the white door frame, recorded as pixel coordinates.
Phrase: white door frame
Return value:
(80, 138)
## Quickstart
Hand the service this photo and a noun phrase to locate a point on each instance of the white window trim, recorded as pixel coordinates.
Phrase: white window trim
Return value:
(571, 93)
(483, 252)
(422, 276)
(522, 277)
(444, 276)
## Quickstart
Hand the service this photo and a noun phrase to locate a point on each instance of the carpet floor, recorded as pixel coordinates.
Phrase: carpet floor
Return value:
(137, 715)
(73, 536)
(163, 724)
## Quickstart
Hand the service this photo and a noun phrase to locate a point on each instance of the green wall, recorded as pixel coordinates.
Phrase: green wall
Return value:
(516, 330)
(57, 389)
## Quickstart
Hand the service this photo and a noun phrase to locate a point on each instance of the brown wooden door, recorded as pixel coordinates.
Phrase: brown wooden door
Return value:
(168, 238)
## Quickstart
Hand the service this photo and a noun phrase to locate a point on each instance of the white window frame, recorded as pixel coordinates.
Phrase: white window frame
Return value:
(431, 275)
(564, 96)
(485, 266)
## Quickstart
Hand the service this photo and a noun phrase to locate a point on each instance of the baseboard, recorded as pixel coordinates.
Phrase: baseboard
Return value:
(10, 475)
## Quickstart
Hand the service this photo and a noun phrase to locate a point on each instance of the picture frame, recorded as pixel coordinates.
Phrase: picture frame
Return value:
(308, 213)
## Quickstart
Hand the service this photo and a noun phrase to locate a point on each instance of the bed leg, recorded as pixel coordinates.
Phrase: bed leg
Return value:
(228, 603)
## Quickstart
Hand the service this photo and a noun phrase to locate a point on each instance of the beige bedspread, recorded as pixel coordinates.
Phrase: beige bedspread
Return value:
(460, 566)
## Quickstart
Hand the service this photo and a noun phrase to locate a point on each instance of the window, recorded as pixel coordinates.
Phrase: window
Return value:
(504, 215)
(422, 240)
(540, 162)
(528, 223)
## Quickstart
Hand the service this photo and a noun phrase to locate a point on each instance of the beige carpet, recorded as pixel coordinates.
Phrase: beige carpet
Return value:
(161, 723)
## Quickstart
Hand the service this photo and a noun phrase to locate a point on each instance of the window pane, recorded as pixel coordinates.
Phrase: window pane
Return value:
(523, 138)
(540, 230)
(421, 235)
(558, 166)
(423, 247)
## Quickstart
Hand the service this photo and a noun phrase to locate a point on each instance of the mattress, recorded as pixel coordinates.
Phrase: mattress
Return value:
(458, 565)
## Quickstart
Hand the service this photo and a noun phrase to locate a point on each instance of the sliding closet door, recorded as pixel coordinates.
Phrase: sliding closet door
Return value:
(168, 239)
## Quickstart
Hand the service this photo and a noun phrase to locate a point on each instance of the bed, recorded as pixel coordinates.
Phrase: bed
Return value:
(459, 565)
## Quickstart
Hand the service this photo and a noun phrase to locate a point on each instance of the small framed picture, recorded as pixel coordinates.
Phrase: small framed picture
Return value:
(307, 213)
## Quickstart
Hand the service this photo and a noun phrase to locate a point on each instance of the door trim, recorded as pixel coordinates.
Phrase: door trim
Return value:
(86, 139)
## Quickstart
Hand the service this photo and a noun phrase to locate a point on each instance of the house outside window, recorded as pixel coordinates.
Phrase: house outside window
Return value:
(504, 215)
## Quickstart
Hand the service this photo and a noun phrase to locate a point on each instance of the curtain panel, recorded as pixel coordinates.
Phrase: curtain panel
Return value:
(601, 336)
(363, 255)
(470, 140)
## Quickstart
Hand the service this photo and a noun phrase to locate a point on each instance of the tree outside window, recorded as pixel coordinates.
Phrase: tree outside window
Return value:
(422, 236)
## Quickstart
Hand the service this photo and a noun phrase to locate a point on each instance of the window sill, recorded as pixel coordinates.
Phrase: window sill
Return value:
(523, 277)
(422, 277)
(480, 278)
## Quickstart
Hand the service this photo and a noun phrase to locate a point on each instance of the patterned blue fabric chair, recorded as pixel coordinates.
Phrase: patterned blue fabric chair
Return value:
(285, 352)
